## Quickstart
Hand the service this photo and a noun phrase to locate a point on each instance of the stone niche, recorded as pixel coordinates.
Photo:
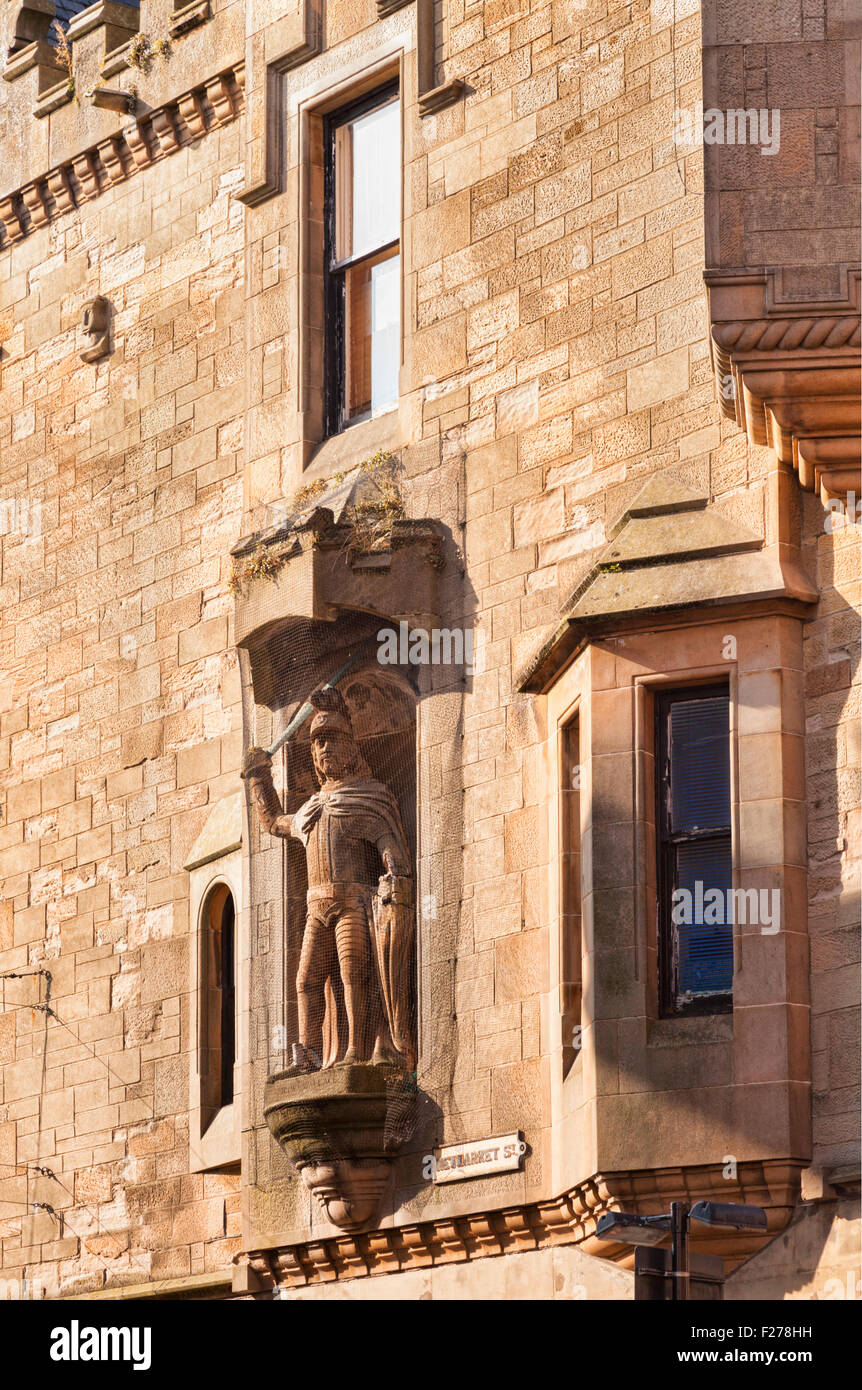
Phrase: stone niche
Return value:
(332, 1096)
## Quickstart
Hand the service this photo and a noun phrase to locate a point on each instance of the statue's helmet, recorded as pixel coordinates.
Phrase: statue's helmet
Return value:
(329, 721)
(331, 715)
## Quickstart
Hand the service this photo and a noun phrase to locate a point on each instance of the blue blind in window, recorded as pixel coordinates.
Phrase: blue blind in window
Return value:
(704, 912)
(700, 764)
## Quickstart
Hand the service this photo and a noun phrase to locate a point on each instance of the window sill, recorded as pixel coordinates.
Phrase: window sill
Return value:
(705, 1030)
(354, 445)
(219, 1147)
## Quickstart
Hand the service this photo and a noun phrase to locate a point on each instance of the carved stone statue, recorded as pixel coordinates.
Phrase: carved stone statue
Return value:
(359, 931)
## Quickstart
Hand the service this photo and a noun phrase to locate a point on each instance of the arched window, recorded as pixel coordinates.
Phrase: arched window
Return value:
(218, 1000)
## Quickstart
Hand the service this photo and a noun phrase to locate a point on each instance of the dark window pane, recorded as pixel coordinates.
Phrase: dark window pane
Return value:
(228, 1001)
(699, 764)
(694, 850)
(702, 914)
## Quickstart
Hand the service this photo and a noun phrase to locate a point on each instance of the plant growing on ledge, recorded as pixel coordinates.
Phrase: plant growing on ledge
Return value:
(308, 493)
(371, 523)
(64, 53)
(261, 564)
(142, 52)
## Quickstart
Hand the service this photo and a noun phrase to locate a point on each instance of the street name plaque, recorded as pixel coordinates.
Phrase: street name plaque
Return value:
(479, 1158)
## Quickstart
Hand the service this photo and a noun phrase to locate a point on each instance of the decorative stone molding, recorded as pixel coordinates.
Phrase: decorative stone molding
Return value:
(140, 143)
(565, 1220)
(187, 17)
(265, 175)
(438, 98)
(42, 56)
(303, 35)
(789, 374)
(432, 97)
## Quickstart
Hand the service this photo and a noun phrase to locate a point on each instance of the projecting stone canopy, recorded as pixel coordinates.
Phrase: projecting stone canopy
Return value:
(313, 564)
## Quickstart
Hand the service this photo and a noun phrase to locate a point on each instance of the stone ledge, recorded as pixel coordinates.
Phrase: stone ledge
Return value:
(140, 143)
(53, 98)
(447, 94)
(187, 1287)
(108, 13)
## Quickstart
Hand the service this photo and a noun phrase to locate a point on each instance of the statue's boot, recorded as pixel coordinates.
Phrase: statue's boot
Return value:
(305, 1060)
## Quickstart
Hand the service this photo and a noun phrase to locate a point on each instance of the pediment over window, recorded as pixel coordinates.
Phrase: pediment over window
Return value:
(671, 552)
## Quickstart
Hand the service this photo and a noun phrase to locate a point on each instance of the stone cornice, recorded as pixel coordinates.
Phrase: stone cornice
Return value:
(107, 14)
(787, 335)
(566, 1220)
(136, 145)
(789, 373)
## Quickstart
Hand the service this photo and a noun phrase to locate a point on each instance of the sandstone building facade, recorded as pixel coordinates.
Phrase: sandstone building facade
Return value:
(325, 320)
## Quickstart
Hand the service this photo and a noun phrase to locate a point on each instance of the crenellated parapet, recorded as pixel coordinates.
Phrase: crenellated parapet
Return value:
(73, 47)
(33, 47)
(138, 143)
(55, 38)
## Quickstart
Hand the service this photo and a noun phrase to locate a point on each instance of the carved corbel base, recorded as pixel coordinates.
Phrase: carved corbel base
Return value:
(349, 1191)
(341, 1128)
(789, 374)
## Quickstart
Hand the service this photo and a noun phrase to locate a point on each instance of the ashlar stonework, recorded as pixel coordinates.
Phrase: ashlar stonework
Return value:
(621, 461)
